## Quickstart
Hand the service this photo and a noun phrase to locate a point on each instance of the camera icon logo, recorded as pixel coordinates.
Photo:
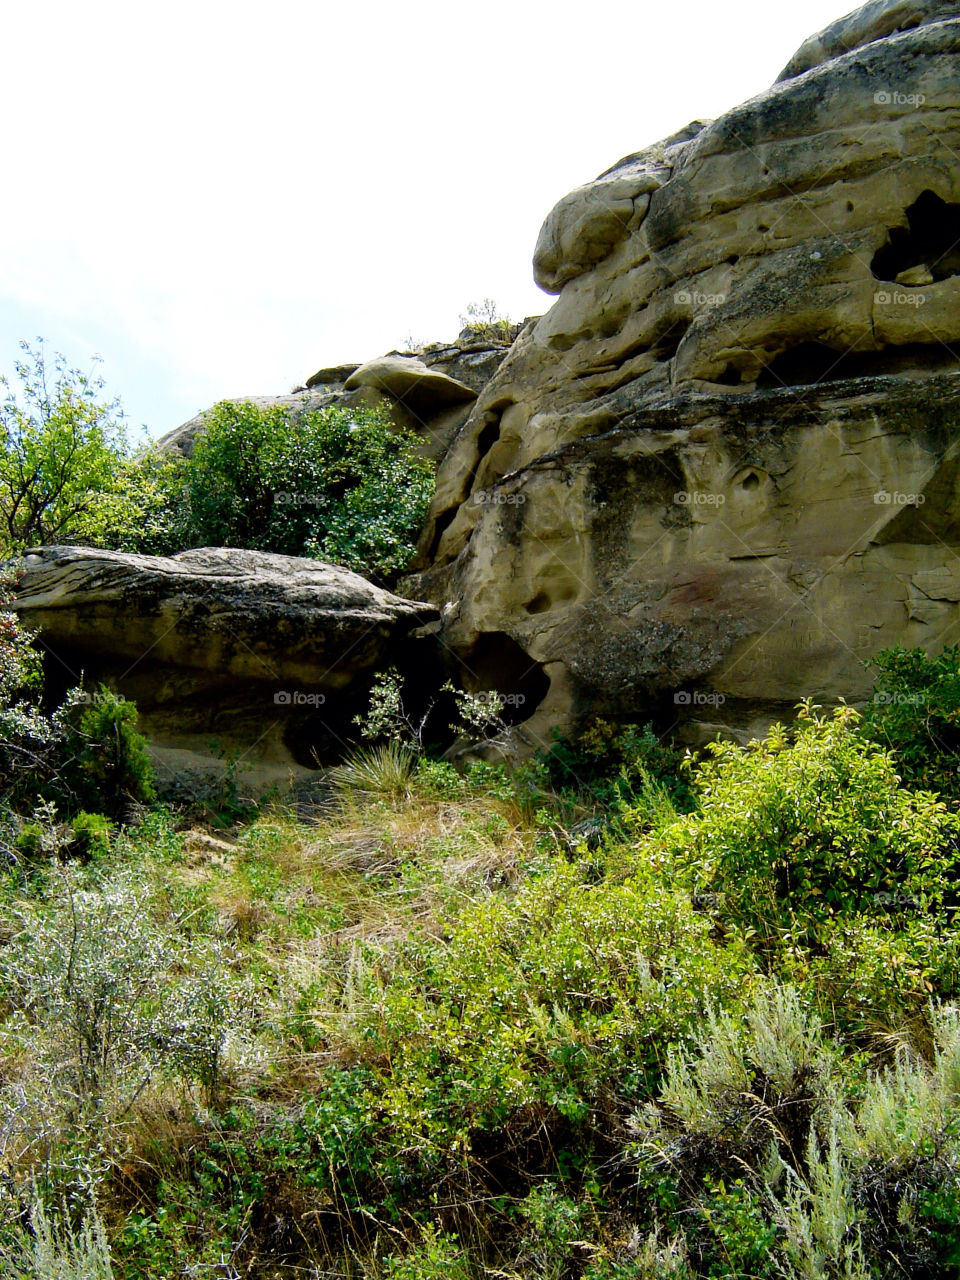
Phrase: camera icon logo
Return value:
(683, 698)
(882, 98)
(282, 698)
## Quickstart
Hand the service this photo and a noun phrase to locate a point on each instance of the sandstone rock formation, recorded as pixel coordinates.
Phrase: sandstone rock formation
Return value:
(722, 470)
(268, 656)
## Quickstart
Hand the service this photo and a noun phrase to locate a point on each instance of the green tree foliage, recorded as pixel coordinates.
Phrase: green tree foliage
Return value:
(809, 824)
(62, 449)
(104, 760)
(915, 714)
(341, 485)
(347, 486)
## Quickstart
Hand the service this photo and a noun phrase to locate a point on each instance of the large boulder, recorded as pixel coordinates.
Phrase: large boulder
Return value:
(721, 471)
(266, 656)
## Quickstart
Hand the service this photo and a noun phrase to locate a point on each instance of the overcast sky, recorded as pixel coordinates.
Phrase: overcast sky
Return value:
(220, 198)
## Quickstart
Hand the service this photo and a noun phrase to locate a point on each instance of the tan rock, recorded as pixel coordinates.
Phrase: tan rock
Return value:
(420, 389)
(723, 464)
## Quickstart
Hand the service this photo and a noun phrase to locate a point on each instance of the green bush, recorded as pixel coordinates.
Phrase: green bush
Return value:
(532, 1012)
(89, 837)
(619, 765)
(62, 453)
(85, 755)
(341, 485)
(915, 714)
(105, 762)
(436, 1257)
(53, 1248)
(785, 1158)
(100, 996)
(806, 826)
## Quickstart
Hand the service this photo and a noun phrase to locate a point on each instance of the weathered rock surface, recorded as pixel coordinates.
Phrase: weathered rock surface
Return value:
(423, 390)
(269, 656)
(721, 472)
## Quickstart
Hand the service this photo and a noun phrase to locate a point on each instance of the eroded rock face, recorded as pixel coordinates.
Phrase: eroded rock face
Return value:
(722, 468)
(267, 656)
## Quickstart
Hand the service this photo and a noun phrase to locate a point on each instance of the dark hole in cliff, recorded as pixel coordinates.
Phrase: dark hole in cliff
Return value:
(750, 481)
(931, 239)
(321, 735)
(813, 362)
(440, 526)
(324, 734)
(731, 377)
(487, 437)
(732, 260)
(495, 662)
(668, 344)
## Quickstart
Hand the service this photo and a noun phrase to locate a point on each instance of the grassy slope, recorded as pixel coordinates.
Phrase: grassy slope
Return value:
(423, 1038)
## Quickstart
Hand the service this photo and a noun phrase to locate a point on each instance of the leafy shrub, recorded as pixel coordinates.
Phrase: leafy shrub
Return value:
(808, 825)
(86, 754)
(791, 1161)
(619, 765)
(915, 714)
(342, 485)
(752, 1079)
(89, 837)
(64, 459)
(145, 512)
(26, 734)
(554, 1223)
(91, 982)
(105, 762)
(530, 1012)
(436, 1257)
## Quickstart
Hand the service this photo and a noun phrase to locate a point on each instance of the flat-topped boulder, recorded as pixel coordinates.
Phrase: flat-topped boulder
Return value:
(269, 656)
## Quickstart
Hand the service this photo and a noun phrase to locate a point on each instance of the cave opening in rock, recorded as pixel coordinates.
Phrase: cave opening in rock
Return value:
(930, 240)
(496, 663)
(668, 343)
(440, 526)
(488, 437)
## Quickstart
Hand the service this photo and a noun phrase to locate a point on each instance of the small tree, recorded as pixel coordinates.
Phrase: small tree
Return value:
(62, 448)
(915, 714)
(484, 319)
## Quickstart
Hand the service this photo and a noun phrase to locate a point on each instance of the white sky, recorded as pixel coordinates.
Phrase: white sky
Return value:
(220, 198)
